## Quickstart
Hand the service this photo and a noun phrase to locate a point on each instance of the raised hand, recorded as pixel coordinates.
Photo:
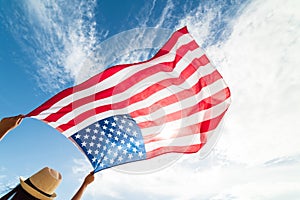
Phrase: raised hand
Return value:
(9, 123)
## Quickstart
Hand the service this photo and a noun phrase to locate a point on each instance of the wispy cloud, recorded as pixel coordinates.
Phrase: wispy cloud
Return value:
(166, 13)
(66, 36)
(60, 37)
(212, 22)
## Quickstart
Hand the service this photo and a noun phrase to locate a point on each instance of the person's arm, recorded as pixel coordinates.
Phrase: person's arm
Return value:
(88, 179)
(9, 123)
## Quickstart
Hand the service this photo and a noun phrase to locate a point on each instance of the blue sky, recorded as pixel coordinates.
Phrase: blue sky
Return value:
(47, 46)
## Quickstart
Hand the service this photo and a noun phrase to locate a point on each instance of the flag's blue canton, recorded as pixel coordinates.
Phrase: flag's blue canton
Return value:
(111, 141)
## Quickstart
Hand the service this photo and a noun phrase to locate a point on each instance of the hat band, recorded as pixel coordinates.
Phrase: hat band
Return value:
(37, 189)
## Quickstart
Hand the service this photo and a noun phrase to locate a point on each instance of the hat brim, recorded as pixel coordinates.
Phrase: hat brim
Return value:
(34, 192)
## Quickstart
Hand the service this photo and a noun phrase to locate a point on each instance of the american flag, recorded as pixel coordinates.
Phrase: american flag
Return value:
(131, 112)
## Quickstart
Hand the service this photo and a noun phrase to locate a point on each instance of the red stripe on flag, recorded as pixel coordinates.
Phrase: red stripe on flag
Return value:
(174, 149)
(82, 117)
(90, 82)
(209, 125)
(170, 43)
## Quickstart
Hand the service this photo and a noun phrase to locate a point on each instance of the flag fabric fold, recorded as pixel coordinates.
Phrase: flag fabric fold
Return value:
(131, 112)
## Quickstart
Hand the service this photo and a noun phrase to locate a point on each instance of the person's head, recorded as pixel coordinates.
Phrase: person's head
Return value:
(40, 185)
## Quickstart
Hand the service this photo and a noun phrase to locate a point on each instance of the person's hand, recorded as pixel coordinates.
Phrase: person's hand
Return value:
(89, 178)
(9, 123)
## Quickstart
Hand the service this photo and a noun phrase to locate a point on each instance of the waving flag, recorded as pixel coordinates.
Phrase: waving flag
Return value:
(138, 111)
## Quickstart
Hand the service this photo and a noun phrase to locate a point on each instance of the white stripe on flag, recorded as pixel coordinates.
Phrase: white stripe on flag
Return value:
(181, 141)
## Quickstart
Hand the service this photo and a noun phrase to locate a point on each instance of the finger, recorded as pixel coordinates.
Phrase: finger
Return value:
(18, 121)
(20, 118)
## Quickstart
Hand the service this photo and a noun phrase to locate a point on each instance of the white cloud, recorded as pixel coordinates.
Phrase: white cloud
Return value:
(259, 61)
(184, 181)
(198, 23)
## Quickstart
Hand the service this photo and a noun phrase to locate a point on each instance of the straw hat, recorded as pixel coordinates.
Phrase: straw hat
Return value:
(42, 184)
